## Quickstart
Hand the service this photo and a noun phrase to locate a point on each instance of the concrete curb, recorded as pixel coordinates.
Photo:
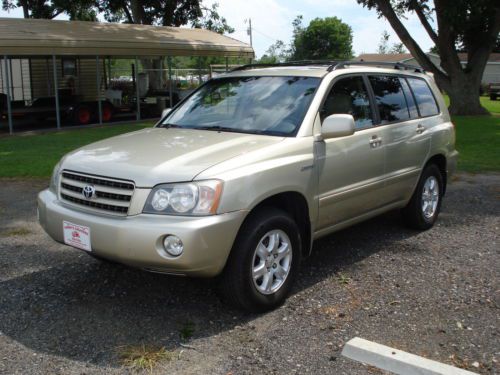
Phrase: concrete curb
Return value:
(396, 361)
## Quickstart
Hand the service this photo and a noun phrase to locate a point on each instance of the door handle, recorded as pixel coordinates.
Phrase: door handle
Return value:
(420, 129)
(375, 141)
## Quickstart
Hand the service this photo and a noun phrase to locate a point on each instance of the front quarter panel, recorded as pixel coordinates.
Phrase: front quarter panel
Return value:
(251, 178)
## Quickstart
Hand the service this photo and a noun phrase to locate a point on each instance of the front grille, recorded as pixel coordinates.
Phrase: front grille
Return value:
(111, 195)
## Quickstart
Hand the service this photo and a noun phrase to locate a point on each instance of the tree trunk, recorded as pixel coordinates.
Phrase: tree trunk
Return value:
(464, 96)
(152, 68)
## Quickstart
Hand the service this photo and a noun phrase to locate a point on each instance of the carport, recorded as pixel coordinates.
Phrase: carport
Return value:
(69, 64)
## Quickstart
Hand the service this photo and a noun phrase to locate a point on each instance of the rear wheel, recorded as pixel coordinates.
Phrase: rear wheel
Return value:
(83, 115)
(107, 113)
(263, 262)
(423, 209)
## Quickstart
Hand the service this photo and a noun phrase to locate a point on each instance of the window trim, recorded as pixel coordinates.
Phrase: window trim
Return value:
(368, 90)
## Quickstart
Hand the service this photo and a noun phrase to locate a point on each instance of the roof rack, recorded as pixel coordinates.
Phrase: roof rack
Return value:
(285, 64)
(332, 65)
(396, 65)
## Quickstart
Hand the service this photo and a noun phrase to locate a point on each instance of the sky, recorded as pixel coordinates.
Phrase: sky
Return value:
(272, 21)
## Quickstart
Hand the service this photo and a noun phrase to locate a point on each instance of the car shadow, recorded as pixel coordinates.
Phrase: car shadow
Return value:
(83, 309)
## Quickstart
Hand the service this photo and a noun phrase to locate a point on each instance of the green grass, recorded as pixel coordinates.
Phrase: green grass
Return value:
(34, 155)
(493, 106)
(478, 142)
(478, 139)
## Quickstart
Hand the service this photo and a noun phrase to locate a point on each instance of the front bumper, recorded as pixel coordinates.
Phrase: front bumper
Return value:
(137, 240)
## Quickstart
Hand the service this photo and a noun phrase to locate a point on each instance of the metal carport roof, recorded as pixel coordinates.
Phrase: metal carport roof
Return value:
(32, 37)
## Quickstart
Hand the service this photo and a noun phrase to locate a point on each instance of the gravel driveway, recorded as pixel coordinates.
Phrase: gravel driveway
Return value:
(434, 294)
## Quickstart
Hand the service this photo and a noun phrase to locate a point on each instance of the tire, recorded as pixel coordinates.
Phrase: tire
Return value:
(83, 115)
(107, 113)
(237, 284)
(420, 214)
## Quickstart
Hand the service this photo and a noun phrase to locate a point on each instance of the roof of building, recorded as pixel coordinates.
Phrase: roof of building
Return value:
(22, 37)
(402, 57)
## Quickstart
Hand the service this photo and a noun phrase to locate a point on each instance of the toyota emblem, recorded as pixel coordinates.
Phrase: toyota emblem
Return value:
(88, 192)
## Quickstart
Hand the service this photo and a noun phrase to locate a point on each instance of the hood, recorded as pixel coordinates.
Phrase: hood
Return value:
(159, 155)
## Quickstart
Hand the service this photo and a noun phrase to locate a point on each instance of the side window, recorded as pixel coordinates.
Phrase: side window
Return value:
(390, 99)
(410, 100)
(349, 96)
(423, 95)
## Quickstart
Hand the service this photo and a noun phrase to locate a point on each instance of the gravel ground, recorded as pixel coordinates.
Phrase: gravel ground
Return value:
(434, 294)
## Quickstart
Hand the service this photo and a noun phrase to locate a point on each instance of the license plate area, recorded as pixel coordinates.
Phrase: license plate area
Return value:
(77, 236)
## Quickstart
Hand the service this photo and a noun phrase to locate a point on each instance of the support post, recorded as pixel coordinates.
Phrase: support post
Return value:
(98, 79)
(108, 81)
(169, 61)
(161, 72)
(138, 99)
(227, 64)
(9, 108)
(56, 92)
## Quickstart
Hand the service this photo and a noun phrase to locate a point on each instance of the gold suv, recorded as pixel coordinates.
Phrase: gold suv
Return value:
(240, 177)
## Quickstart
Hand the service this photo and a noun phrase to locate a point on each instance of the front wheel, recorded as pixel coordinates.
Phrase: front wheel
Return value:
(263, 262)
(423, 209)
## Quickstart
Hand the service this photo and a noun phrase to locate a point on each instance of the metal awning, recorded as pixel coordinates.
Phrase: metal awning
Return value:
(36, 37)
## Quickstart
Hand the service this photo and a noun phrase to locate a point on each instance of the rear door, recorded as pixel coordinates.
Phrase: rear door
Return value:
(350, 168)
(407, 142)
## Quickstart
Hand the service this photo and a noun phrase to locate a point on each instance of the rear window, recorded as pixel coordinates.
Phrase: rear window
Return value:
(424, 97)
(390, 99)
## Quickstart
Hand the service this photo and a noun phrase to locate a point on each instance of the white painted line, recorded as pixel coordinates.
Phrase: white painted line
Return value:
(396, 361)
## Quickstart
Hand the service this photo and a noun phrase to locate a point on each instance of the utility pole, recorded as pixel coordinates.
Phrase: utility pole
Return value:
(249, 31)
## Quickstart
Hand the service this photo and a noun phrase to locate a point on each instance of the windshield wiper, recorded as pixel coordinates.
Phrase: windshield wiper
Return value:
(218, 128)
(167, 125)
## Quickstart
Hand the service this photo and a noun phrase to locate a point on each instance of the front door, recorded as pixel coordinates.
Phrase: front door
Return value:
(351, 168)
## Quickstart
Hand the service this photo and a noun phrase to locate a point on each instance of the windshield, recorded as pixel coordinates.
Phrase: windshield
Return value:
(258, 105)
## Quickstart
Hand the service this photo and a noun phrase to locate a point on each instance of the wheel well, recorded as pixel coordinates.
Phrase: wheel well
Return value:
(294, 204)
(440, 161)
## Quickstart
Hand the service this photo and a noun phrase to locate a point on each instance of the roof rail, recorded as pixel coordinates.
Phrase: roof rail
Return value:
(331, 65)
(285, 64)
(396, 65)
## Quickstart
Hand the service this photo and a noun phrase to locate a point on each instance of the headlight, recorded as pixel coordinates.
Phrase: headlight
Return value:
(54, 179)
(195, 198)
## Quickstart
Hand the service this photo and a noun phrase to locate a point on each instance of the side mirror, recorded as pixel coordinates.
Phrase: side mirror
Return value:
(165, 112)
(337, 125)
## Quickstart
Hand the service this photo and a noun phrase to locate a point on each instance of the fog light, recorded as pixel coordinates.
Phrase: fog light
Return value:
(173, 245)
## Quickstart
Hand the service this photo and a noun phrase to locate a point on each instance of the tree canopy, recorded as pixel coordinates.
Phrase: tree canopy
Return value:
(84, 10)
(323, 39)
(452, 25)
(147, 12)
